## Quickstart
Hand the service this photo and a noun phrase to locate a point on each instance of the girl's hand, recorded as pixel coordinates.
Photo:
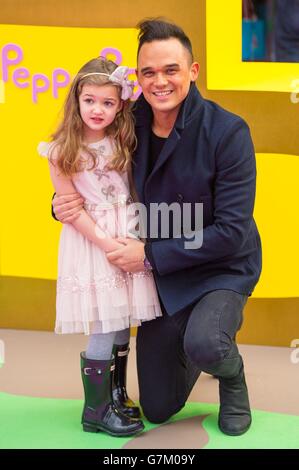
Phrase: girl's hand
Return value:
(67, 207)
(110, 245)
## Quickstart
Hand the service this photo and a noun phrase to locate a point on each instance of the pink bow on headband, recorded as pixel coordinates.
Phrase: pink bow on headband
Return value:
(119, 77)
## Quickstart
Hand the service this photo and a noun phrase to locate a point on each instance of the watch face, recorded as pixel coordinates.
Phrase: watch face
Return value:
(147, 264)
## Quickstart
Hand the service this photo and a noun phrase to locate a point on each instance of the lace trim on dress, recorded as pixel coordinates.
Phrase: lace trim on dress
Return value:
(75, 284)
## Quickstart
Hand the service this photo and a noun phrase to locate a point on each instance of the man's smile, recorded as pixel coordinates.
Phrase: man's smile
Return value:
(162, 93)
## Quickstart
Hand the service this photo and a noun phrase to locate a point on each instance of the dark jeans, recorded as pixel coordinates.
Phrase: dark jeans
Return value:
(173, 350)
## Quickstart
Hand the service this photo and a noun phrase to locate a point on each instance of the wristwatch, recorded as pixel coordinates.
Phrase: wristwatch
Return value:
(146, 263)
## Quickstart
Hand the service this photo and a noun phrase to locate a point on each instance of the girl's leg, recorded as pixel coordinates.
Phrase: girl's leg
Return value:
(100, 412)
(100, 346)
(122, 337)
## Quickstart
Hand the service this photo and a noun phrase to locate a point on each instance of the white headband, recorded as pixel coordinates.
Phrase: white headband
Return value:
(118, 77)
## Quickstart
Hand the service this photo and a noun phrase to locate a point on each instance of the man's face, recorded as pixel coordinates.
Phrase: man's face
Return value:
(164, 72)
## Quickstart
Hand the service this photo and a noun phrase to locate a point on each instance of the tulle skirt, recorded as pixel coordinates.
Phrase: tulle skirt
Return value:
(94, 296)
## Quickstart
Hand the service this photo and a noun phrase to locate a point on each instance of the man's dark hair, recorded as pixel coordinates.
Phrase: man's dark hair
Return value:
(156, 29)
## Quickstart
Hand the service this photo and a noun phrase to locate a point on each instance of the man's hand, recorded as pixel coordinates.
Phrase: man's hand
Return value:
(129, 257)
(66, 208)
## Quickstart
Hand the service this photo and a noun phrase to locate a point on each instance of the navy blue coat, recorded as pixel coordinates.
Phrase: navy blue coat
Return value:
(208, 157)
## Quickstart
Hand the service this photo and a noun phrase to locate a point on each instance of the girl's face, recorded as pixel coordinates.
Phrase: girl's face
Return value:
(98, 106)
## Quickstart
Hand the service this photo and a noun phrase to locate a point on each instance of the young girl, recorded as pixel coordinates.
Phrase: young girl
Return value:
(91, 154)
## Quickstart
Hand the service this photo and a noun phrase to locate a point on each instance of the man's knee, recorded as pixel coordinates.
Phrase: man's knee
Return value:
(156, 416)
(160, 412)
(202, 351)
(213, 360)
(212, 326)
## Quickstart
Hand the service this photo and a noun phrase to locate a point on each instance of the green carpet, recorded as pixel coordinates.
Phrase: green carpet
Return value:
(268, 430)
(45, 423)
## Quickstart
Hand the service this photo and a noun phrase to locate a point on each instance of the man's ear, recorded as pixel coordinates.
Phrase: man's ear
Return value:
(194, 71)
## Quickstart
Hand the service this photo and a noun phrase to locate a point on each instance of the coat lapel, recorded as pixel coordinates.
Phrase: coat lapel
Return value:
(140, 161)
(143, 116)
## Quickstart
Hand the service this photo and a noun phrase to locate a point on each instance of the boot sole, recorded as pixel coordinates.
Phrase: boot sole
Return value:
(237, 433)
(95, 429)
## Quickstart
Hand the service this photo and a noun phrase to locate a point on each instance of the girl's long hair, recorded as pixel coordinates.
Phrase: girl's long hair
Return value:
(68, 138)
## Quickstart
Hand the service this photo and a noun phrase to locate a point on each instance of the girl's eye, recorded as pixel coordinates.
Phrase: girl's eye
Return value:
(88, 100)
(108, 103)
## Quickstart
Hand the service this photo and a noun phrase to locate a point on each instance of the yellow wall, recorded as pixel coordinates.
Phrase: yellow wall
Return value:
(29, 113)
(272, 117)
(237, 74)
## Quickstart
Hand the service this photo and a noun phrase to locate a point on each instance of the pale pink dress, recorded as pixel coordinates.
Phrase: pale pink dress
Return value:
(94, 296)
